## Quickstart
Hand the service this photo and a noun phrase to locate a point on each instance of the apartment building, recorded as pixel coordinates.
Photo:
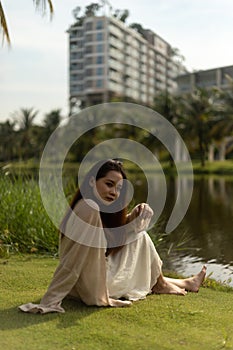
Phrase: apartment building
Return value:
(209, 78)
(109, 60)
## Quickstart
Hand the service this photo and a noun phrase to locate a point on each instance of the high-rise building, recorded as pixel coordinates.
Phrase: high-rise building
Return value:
(216, 77)
(109, 60)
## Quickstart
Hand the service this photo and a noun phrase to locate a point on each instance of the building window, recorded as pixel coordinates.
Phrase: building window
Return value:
(99, 83)
(73, 66)
(73, 77)
(88, 37)
(89, 26)
(99, 59)
(76, 77)
(88, 72)
(99, 36)
(73, 55)
(80, 55)
(99, 48)
(79, 43)
(88, 60)
(77, 88)
(88, 49)
(99, 25)
(99, 71)
(73, 46)
(79, 66)
(88, 84)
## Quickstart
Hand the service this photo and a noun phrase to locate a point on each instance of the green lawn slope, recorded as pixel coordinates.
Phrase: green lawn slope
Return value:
(196, 321)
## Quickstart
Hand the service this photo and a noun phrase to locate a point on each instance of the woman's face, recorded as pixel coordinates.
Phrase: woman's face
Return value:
(108, 188)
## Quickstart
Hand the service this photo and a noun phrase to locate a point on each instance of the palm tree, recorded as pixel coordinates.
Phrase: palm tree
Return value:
(39, 4)
(24, 119)
(199, 116)
(223, 130)
(50, 123)
(169, 106)
(7, 145)
(227, 100)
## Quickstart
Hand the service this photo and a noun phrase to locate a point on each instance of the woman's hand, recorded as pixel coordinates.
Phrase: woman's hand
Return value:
(142, 211)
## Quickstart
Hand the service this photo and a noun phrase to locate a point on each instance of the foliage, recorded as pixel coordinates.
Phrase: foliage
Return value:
(22, 139)
(203, 118)
(198, 118)
(93, 9)
(138, 27)
(24, 223)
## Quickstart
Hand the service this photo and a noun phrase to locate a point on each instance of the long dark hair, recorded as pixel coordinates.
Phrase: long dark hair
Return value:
(109, 219)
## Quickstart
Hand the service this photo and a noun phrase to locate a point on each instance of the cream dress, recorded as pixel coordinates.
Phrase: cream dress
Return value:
(84, 272)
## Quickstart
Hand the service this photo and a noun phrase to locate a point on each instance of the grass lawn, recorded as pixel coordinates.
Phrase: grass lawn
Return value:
(196, 321)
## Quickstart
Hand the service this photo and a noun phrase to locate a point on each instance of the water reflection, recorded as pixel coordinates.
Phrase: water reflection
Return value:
(208, 224)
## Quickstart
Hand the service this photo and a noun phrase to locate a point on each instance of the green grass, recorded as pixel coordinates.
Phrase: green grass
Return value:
(216, 167)
(196, 321)
(24, 223)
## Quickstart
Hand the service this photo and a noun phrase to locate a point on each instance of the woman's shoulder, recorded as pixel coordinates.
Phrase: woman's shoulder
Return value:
(86, 206)
(87, 210)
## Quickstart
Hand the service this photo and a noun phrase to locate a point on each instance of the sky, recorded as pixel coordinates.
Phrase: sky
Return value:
(34, 71)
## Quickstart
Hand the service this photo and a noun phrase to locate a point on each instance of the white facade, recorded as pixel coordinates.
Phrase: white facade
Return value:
(109, 60)
(207, 79)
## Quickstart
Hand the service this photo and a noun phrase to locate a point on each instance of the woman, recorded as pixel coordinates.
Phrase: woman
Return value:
(106, 256)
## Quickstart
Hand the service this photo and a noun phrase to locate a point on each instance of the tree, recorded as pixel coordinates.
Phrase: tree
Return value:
(39, 4)
(223, 128)
(50, 123)
(7, 145)
(91, 9)
(122, 15)
(76, 12)
(198, 119)
(175, 53)
(226, 97)
(25, 118)
(138, 27)
(169, 106)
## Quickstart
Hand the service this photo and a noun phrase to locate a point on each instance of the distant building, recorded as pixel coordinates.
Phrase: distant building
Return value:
(108, 59)
(204, 79)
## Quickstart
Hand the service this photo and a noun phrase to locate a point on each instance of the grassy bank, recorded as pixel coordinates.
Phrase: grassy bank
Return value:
(217, 167)
(31, 167)
(24, 223)
(200, 321)
(25, 226)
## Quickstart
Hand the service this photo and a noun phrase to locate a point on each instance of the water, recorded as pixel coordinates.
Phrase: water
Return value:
(206, 230)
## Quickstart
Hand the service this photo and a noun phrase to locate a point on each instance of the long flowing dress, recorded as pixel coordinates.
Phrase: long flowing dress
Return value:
(86, 273)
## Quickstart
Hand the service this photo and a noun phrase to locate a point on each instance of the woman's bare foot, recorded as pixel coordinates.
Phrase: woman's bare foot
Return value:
(119, 303)
(164, 287)
(193, 284)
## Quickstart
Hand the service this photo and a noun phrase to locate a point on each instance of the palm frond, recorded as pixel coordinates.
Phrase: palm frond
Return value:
(41, 5)
(3, 25)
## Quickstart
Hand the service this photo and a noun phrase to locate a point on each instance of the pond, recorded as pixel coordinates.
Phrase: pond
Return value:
(205, 235)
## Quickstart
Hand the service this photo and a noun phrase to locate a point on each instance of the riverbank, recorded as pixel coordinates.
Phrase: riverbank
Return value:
(194, 322)
(216, 167)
